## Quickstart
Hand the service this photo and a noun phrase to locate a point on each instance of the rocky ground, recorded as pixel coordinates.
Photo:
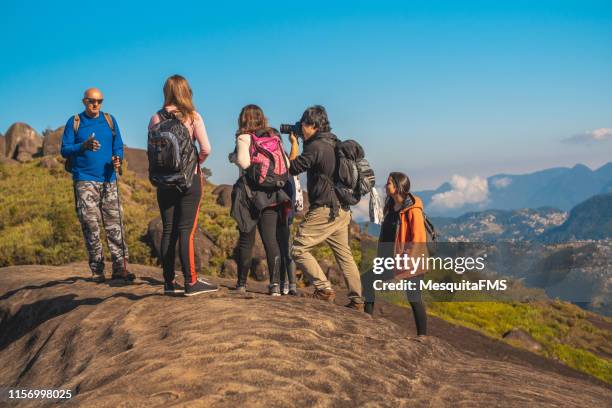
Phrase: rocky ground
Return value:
(131, 346)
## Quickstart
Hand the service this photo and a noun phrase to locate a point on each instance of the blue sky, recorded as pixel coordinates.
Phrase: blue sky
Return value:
(431, 88)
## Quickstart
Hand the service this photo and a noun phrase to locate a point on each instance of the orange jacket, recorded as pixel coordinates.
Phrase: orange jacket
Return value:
(410, 235)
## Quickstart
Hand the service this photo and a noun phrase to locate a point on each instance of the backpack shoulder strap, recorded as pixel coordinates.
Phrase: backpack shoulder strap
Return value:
(163, 114)
(412, 199)
(111, 124)
(76, 123)
(330, 142)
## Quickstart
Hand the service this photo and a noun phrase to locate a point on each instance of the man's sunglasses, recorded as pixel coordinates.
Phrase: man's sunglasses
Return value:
(92, 101)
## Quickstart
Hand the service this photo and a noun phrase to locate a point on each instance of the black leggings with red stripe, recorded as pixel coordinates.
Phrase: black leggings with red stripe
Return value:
(179, 214)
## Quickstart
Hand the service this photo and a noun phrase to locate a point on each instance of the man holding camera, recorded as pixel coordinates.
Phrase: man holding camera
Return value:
(93, 148)
(326, 221)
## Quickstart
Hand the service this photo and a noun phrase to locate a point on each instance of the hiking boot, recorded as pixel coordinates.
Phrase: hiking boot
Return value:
(127, 277)
(274, 290)
(292, 289)
(200, 286)
(368, 307)
(354, 305)
(241, 289)
(171, 288)
(97, 277)
(327, 294)
(285, 286)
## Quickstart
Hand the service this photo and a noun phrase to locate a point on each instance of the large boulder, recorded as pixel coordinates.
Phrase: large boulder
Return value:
(113, 346)
(523, 339)
(333, 274)
(229, 269)
(22, 142)
(259, 269)
(49, 162)
(8, 161)
(203, 246)
(224, 195)
(52, 141)
(137, 161)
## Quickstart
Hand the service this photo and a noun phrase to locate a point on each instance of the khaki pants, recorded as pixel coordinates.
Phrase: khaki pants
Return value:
(317, 228)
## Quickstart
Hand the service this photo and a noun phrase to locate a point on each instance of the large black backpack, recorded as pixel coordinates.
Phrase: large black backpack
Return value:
(354, 176)
(172, 153)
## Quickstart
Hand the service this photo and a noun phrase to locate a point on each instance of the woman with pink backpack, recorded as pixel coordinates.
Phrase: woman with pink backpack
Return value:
(258, 196)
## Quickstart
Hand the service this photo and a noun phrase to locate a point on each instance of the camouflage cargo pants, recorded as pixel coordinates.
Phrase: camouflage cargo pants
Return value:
(97, 204)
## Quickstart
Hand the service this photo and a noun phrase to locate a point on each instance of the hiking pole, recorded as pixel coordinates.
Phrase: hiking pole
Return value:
(117, 173)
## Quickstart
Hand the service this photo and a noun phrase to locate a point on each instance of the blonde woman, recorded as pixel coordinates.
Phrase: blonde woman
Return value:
(179, 207)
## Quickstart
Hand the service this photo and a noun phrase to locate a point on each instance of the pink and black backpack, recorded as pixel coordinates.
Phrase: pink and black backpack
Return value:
(268, 170)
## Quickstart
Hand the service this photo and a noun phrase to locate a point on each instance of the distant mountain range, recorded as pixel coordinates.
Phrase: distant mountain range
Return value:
(576, 272)
(589, 220)
(560, 187)
(493, 225)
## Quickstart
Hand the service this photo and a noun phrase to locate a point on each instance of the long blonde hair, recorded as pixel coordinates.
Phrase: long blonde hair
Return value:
(177, 92)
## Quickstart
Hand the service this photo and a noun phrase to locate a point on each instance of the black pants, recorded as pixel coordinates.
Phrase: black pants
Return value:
(414, 296)
(267, 226)
(179, 213)
(283, 235)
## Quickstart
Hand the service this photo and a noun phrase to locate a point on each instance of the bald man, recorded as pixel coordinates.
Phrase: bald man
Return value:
(93, 148)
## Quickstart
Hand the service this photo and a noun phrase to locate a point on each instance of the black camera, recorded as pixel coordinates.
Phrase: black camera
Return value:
(296, 129)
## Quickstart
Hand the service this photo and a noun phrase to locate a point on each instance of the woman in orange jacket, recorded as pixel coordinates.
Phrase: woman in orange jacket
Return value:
(402, 232)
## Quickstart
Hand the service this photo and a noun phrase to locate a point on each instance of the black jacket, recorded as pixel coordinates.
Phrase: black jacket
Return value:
(248, 203)
(318, 160)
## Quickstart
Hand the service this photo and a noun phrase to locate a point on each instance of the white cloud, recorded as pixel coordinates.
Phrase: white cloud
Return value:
(502, 182)
(597, 135)
(463, 191)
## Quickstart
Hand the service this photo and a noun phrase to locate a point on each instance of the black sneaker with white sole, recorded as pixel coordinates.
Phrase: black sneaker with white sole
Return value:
(200, 286)
(274, 290)
(171, 288)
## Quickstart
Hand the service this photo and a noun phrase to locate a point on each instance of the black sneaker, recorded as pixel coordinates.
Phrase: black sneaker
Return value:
(292, 289)
(274, 290)
(285, 286)
(170, 288)
(97, 277)
(200, 286)
(368, 308)
(126, 278)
